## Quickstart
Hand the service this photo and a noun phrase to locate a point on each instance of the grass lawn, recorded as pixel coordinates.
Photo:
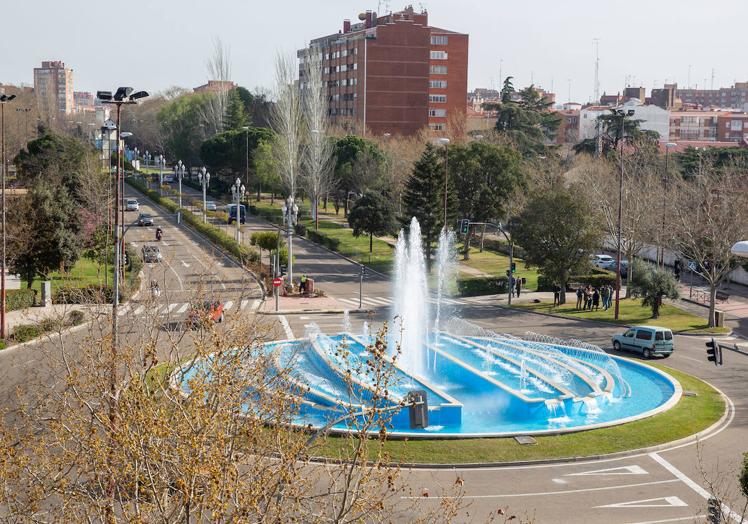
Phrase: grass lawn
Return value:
(83, 273)
(689, 416)
(497, 264)
(632, 313)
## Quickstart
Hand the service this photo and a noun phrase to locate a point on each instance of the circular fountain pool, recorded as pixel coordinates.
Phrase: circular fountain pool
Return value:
(476, 385)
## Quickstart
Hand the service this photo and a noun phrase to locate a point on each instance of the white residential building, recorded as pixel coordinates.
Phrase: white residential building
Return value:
(653, 118)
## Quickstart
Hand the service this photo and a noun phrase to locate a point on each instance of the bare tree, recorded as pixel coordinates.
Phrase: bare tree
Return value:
(318, 159)
(219, 69)
(287, 122)
(711, 215)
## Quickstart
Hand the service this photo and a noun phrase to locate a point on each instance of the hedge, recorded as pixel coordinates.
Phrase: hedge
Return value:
(322, 239)
(19, 299)
(473, 287)
(26, 332)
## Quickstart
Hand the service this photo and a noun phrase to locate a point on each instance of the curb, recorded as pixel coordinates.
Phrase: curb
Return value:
(720, 424)
(312, 311)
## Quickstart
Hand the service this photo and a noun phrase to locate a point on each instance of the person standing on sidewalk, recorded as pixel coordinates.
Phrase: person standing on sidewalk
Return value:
(580, 296)
(518, 287)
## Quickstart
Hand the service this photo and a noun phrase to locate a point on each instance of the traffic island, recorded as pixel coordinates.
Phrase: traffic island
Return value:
(693, 415)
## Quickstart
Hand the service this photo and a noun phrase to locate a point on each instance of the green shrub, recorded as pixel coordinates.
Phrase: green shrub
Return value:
(134, 262)
(50, 324)
(91, 294)
(498, 246)
(75, 318)
(19, 299)
(322, 239)
(25, 332)
(473, 287)
(3, 345)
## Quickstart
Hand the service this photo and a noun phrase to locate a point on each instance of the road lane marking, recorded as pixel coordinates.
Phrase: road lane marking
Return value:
(547, 493)
(171, 308)
(693, 485)
(183, 308)
(676, 519)
(185, 264)
(243, 304)
(256, 305)
(666, 502)
(229, 304)
(286, 327)
(623, 470)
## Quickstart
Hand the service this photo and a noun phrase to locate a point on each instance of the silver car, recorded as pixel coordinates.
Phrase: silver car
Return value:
(132, 205)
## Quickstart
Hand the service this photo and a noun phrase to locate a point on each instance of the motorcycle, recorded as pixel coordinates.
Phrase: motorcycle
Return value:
(159, 234)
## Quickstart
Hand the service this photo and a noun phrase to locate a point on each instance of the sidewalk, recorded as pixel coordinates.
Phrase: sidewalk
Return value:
(303, 304)
(34, 315)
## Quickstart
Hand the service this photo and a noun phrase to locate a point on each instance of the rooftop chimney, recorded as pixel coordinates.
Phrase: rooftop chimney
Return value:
(368, 19)
(346, 26)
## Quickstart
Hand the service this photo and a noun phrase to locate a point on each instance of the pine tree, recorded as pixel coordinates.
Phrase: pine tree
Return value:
(423, 196)
(236, 116)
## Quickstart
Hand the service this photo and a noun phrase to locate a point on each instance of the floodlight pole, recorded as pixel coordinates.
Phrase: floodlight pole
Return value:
(3, 100)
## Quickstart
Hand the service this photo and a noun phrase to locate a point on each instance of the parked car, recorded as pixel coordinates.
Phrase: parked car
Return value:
(204, 313)
(650, 341)
(602, 261)
(151, 254)
(210, 205)
(231, 208)
(132, 205)
(611, 266)
(144, 219)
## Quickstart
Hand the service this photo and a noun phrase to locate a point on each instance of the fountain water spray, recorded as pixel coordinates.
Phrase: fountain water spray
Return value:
(411, 301)
(446, 269)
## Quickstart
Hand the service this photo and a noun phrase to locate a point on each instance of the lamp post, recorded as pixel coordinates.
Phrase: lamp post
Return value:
(445, 143)
(621, 114)
(147, 157)
(204, 178)
(291, 215)
(122, 148)
(161, 162)
(4, 99)
(123, 96)
(665, 182)
(179, 173)
(246, 172)
(237, 190)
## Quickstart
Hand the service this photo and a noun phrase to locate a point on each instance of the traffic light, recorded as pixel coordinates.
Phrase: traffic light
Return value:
(714, 352)
(464, 226)
(514, 267)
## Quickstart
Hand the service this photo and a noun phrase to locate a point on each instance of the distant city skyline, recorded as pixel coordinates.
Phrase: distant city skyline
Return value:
(154, 46)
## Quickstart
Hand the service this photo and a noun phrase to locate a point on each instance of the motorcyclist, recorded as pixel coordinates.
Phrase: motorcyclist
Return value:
(155, 289)
(159, 233)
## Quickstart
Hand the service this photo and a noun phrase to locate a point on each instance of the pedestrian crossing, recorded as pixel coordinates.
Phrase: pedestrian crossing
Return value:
(386, 301)
(180, 308)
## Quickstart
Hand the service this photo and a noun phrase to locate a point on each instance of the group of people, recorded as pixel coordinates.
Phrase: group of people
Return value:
(589, 298)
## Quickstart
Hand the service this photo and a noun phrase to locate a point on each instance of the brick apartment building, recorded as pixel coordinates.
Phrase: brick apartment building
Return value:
(735, 97)
(215, 86)
(392, 74)
(732, 127)
(53, 86)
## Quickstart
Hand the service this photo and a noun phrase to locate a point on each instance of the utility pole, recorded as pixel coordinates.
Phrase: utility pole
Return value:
(597, 70)
(4, 99)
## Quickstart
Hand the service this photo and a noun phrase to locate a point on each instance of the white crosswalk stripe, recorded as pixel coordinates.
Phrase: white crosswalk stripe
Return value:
(371, 301)
(383, 301)
(170, 308)
(256, 305)
(139, 310)
(243, 305)
(229, 304)
(350, 301)
(183, 308)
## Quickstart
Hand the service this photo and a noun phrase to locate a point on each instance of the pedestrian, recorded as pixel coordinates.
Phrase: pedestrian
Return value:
(518, 287)
(588, 297)
(556, 295)
(604, 292)
(677, 269)
(580, 296)
(596, 299)
(302, 284)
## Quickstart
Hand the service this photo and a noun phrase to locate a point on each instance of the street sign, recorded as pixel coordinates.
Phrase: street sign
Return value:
(277, 282)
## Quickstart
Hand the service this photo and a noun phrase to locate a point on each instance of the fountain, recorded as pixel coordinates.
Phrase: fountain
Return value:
(477, 382)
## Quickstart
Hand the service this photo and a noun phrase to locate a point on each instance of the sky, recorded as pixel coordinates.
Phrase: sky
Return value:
(156, 44)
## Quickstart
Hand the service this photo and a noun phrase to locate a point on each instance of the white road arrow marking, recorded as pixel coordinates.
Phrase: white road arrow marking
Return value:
(228, 305)
(623, 470)
(185, 264)
(660, 502)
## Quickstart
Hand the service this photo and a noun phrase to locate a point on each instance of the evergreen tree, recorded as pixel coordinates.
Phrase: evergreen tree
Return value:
(653, 284)
(372, 214)
(423, 196)
(236, 115)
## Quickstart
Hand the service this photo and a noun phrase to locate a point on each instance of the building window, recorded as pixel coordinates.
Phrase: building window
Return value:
(438, 70)
(438, 55)
(438, 84)
(440, 99)
(439, 40)
(736, 125)
(439, 113)
(437, 127)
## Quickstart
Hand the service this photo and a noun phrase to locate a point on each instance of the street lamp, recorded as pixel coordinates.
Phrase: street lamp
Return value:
(4, 99)
(291, 215)
(237, 190)
(204, 177)
(445, 143)
(179, 173)
(161, 163)
(665, 182)
(620, 114)
(147, 157)
(246, 172)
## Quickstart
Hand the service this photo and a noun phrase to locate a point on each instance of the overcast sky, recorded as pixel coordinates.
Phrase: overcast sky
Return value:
(154, 44)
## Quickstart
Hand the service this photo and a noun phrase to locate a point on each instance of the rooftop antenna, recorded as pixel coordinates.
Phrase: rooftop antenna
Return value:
(712, 85)
(569, 80)
(501, 78)
(596, 42)
(689, 76)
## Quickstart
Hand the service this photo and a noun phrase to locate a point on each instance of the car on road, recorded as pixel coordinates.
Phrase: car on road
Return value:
(204, 313)
(602, 261)
(151, 254)
(231, 209)
(210, 206)
(650, 341)
(144, 219)
(132, 204)
(611, 266)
